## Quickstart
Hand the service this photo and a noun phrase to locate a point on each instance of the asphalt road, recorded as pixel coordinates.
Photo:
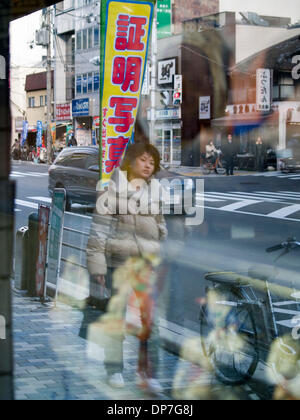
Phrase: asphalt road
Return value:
(244, 215)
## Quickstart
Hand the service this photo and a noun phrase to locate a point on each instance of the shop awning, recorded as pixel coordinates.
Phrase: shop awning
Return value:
(250, 120)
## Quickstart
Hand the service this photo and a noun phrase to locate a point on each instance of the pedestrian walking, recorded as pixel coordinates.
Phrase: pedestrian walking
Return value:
(260, 155)
(229, 152)
(117, 244)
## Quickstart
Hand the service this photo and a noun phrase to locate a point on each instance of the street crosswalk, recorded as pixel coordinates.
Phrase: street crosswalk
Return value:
(283, 205)
(279, 174)
(18, 174)
(278, 205)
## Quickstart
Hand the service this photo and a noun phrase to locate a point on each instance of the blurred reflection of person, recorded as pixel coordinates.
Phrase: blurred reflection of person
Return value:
(229, 152)
(260, 154)
(116, 239)
(211, 152)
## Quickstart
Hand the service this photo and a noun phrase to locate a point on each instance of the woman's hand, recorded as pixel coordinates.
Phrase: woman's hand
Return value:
(101, 280)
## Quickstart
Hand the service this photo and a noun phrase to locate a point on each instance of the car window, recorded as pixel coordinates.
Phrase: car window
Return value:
(63, 160)
(92, 160)
(78, 160)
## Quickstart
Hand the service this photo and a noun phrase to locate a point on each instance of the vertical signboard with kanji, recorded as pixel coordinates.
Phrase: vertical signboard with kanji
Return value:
(263, 90)
(24, 133)
(164, 18)
(39, 134)
(126, 29)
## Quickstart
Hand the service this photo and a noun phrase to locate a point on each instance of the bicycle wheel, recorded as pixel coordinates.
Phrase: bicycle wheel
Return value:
(206, 169)
(221, 171)
(229, 337)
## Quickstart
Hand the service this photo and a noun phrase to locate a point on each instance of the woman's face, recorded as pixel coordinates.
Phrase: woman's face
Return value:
(143, 167)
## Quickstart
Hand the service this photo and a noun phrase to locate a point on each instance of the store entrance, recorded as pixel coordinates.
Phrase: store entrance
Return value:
(168, 142)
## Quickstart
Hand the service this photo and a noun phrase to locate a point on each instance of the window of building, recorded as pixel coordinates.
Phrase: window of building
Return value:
(84, 39)
(90, 38)
(84, 83)
(79, 40)
(31, 102)
(41, 100)
(96, 82)
(78, 85)
(45, 100)
(96, 36)
(90, 82)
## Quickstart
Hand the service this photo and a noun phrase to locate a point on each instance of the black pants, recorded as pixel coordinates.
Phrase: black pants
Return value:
(229, 165)
(260, 163)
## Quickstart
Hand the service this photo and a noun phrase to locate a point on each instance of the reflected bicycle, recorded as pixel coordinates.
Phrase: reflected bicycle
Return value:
(237, 327)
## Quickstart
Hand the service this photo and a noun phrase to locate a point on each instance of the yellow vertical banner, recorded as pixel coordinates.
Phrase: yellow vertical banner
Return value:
(125, 41)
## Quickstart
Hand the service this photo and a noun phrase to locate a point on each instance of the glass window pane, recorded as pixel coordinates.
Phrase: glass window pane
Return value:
(84, 39)
(90, 38)
(90, 82)
(84, 84)
(78, 85)
(96, 82)
(79, 40)
(96, 36)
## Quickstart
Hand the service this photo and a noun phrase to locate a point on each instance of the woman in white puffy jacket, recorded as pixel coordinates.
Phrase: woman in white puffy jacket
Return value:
(128, 223)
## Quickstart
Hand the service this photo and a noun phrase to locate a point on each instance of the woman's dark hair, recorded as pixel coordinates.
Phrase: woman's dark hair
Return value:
(138, 149)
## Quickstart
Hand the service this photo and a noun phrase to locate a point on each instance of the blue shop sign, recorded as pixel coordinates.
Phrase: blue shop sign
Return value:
(80, 107)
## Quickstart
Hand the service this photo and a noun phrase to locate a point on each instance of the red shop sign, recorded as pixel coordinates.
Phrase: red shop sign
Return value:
(63, 112)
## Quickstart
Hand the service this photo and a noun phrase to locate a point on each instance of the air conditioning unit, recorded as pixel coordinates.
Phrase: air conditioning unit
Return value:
(42, 37)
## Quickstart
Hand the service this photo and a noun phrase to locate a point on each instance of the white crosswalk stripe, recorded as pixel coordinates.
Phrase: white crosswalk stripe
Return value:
(278, 205)
(17, 174)
(279, 174)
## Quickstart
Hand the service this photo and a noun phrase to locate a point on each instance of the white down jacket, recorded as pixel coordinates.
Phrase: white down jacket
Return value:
(116, 237)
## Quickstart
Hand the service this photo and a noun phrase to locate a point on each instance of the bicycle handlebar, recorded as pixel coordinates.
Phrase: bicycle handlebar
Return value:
(291, 243)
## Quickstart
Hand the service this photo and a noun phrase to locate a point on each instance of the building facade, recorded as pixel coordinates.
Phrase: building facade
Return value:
(36, 99)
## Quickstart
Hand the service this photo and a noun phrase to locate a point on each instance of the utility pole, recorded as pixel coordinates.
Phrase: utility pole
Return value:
(153, 77)
(49, 89)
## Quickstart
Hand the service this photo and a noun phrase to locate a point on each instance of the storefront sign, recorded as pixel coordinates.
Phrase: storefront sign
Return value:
(44, 214)
(126, 29)
(263, 89)
(164, 18)
(166, 71)
(63, 112)
(55, 237)
(167, 114)
(81, 107)
(204, 108)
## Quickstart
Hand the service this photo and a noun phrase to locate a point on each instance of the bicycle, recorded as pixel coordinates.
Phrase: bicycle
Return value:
(237, 327)
(213, 165)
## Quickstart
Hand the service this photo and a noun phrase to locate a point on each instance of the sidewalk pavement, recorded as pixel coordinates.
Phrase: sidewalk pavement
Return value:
(53, 363)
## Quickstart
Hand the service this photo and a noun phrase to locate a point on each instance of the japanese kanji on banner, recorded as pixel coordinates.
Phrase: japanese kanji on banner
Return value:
(125, 32)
